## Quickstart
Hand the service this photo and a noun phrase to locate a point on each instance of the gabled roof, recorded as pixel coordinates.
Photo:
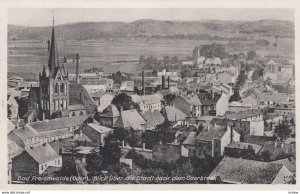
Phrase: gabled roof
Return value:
(289, 163)
(190, 139)
(133, 119)
(216, 133)
(43, 153)
(153, 118)
(110, 111)
(26, 132)
(174, 114)
(238, 170)
(147, 99)
(243, 114)
(13, 148)
(99, 128)
(58, 123)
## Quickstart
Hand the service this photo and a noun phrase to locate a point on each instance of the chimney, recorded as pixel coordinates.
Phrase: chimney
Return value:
(231, 134)
(17, 124)
(175, 141)
(77, 68)
(144, 146)
(80, 133)
(43, 116)
(48, 43)
(163, 82)
(123, 144)
(168, 82)
(143, 82)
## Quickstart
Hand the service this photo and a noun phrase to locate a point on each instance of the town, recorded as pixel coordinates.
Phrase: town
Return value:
(213, 118)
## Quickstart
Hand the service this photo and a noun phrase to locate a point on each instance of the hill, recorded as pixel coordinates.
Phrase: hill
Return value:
(158, 29)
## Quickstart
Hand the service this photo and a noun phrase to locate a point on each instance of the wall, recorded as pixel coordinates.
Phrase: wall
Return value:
(166, 153)
(24, 165)
(222, 105)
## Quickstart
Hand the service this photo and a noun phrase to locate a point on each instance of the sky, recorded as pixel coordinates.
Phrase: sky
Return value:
(43, 16)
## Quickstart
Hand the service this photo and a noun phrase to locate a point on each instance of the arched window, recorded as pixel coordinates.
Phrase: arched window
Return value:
(73, 114)
(62, 88)
(56, 89)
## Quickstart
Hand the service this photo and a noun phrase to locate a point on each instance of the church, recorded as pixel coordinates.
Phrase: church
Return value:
(52, 98)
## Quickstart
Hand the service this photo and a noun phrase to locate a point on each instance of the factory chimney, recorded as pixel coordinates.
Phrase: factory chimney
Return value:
(163, 82)
(143, 82)
(48, 42)
(77, 68)
(168, 82)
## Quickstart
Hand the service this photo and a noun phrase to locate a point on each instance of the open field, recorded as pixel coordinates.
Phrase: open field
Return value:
(28, 56)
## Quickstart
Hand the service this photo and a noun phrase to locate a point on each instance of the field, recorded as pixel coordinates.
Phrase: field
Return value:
(27, 57)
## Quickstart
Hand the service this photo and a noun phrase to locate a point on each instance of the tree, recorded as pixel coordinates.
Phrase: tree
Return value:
(111, 153)
(213, 50)
(8, 111)
(133, 140)
(186, 73)
(251, 55)
(282, 130)
(124, 101)
(119, 74)
(236, 96)
(166, 60)
(265, 155)
(154, 73)
(118, 134)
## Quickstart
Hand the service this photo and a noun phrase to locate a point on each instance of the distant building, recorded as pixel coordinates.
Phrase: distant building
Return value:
(102, 100)
(148, 102)
(213, 141)
(109, 116)
(242, 150)
(96, 132)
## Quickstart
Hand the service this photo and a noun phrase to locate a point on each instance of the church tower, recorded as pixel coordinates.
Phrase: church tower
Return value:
(54, 86)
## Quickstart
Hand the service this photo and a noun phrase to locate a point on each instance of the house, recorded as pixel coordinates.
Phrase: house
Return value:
(189, 143)
(286, 72)
(150, 102)
(242, 171)
(188, 104)
(153, 119)
(227, 77)
(133, 121)
(175, 115)
(242, 149)
(96, 132)
(253, 117)
(272, 98)
(12, 107)
(35, 161)
(102, 100)
(187, 63)
(127, 86)
(13, 150)
(109, 116)
(213, 141)
(213, 104)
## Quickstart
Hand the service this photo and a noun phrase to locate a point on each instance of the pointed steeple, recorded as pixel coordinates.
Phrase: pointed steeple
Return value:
(53, 57)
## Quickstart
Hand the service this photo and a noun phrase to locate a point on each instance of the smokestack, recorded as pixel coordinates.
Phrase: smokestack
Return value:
(77, 68)
(163, 82)
(144, 146)
(48, 43)
(168, 82)
(231, 134)
(143, 82)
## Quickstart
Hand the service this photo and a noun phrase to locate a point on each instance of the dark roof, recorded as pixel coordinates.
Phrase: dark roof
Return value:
(174, 114)
(59, 123)
(238, 170)
(77, 91)
(244, 114)
(190, 139)
(216, 133)
(153, 118)
(182, 104)
(209, 99)
(110, 111)
(243, 145)
(43, 153)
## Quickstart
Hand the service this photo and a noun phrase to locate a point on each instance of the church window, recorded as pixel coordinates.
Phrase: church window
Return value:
(62, 88)
(56, 89)
(81, 113)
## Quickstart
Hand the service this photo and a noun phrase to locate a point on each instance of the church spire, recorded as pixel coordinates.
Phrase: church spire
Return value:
(53, 57)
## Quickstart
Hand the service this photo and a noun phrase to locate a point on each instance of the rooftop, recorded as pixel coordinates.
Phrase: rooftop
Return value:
(99, 128)
(43, 153)
(174, 114)
(238, 170)
(243, 114)
(216, 133)
(153, 118)
(133, 119)
(243, 145)
(190, 139)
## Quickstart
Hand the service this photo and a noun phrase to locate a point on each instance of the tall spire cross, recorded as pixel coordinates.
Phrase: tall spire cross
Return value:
(52, 17)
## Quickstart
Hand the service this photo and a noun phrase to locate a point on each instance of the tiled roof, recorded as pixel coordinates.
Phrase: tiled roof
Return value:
(289, 163)
(174, 114)
(216, 133)
(147, 99)
(243, 145)
(26, 132)
(190, 139)
(43, 153)
(182, 104)
(243, 114)
(153, 118)
(99, 128)
(59, 123)
(110, 111)
(277, 97)
(133, 119)
(238, 170)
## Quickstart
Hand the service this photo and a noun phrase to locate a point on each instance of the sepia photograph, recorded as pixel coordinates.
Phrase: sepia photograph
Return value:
(108, 96)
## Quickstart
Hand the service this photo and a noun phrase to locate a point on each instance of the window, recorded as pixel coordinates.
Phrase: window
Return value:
(62, 88)
(73, 114)
(56, 89)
